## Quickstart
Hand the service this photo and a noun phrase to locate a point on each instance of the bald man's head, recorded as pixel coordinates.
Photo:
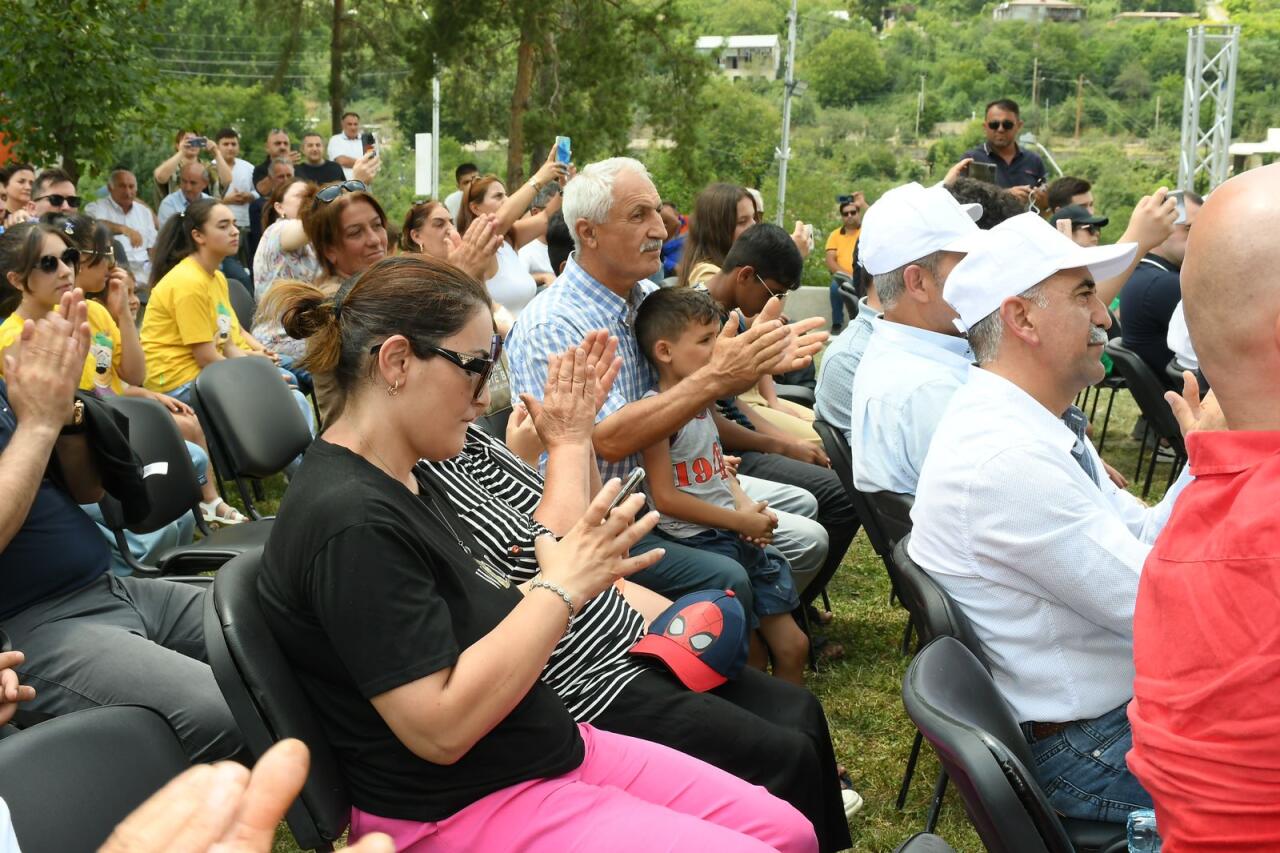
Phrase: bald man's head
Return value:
(1231, 294)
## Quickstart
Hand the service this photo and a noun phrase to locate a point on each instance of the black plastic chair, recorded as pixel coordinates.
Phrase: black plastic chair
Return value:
(250, 420)
(70, 780)
(241, 302)
(267, 701)
(934, 613)
(797, 394)
(173, 491)
(924, 842)
(893, 514)
(1148, 392)
(952, 699)
(495, 423)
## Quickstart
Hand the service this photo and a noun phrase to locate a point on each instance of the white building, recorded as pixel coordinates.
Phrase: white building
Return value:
(744, 56)
(1038, 10)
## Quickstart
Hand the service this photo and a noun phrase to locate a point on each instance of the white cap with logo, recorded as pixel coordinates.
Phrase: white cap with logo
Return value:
(910, 222)
(1016, 255)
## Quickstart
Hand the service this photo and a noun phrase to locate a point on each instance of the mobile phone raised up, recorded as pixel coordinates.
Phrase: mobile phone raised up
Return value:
(564, 150)
(368, 143)
(985, 172)
(633, 481)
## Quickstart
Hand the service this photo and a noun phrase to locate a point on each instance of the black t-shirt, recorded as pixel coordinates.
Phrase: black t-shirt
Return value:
(260, 171)
(366, 590)
(1147, 301)
(326, 173)
(58, 548)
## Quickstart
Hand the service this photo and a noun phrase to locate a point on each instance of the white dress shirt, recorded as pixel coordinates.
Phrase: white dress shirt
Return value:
(1043, 559)
(241, 182)
(903, 385)
(140, 219)
(1179, 340)
(341, 145)
(453, 203)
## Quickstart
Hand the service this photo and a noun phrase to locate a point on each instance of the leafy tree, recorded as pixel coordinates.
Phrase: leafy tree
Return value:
(845, 68)
(70, 72)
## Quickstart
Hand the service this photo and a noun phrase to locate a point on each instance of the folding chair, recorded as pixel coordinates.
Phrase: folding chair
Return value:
(267, 701)
(956, 705)
(1148, 393)
(70, 780)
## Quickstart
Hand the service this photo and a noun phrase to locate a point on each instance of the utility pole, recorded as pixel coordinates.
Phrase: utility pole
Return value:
(919, 106)
(784, 153)
(1079, 105)
(435, 136)
(1157, 113)
(1035, 80)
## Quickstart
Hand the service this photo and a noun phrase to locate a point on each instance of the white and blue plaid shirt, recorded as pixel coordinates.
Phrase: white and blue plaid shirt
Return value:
(558, 318)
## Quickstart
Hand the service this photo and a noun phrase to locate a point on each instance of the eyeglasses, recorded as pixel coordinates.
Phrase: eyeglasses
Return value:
(333, 191)
(49, 263)
(1001, 125)
(848, 213)
(58, 200)
(479, 365)
(93, 257)
(769, 289)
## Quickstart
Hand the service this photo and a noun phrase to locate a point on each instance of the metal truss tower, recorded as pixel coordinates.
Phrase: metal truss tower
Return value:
(1213, 51)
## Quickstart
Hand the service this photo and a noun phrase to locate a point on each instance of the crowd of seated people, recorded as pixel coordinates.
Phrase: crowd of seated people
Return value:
(504, 650)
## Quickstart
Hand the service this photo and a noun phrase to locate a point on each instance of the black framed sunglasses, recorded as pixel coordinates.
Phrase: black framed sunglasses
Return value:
(333, 191)
(479, 365)
(1001, 125)
(48, 264)
(58, 200)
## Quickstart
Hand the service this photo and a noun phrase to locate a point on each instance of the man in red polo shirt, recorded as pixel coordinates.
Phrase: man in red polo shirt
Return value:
(1206, 707)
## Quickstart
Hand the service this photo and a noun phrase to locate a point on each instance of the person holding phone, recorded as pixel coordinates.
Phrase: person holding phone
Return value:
(512, 286)
(347, 146)
(1016, 169)
(188, 146)
(423, 665)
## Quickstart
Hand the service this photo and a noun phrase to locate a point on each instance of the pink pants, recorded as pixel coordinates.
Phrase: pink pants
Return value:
(628, 795)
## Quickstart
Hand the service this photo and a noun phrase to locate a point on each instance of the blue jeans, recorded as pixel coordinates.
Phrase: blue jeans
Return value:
(767, 569)
(1082, 769)
(837, 303)
(683, 569)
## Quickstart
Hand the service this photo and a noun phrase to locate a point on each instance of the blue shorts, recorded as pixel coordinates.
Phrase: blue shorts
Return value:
(768, 571)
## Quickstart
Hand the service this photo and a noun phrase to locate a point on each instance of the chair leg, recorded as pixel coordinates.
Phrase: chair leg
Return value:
(804, 625)
(911, 769)
(1142, 452)
(1097, 395)
(906, 639)
(826, 601)
(1106, 419)
(246, 495)
(1151, 468)
(935, 808)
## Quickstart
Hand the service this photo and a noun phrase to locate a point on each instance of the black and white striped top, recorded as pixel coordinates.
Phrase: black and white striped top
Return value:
(495, 493)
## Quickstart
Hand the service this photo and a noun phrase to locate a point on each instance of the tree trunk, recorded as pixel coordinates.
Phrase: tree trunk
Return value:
(69, 164)
(289, 50)
(335, 67)
(520, 103)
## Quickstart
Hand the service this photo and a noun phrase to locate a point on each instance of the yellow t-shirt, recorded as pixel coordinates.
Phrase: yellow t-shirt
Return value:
(844, 244)
(188, 307)
(101, 374)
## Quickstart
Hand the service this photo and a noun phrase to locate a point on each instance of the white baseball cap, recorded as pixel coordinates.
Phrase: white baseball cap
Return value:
(1016, 255)
(909, 222)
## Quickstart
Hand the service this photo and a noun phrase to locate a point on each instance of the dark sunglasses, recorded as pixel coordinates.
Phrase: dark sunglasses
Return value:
(58, 200)
(1001, 125)
(333, 191)
(848, 213)
(479, 365)
(49, 263)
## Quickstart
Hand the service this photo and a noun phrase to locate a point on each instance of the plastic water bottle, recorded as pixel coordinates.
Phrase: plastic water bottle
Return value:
(1143, 837)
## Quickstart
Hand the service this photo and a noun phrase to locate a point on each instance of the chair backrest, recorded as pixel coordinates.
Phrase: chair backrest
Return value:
(172, 487)
(933, 611)
(70, 780)
(266, 699)
(495, 423)
(241, 302)
(837, 448)
(1148, 393)
(252, 416)
(893, 514)
(957, 707)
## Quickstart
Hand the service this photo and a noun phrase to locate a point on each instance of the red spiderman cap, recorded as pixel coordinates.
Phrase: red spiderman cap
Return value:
(701, 637)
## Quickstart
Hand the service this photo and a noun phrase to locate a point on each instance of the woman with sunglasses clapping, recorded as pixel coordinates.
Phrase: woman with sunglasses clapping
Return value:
(420, 657)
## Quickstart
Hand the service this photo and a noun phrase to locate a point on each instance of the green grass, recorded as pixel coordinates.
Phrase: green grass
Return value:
(862, 693)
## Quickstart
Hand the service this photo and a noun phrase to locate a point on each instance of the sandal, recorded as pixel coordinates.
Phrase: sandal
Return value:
(826, 650)
(851, 799)
(218, 511)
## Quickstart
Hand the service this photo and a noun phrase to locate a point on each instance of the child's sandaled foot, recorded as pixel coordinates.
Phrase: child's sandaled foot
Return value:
(218, 511)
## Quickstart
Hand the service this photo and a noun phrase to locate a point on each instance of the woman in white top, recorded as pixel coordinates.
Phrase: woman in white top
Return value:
(512, 286)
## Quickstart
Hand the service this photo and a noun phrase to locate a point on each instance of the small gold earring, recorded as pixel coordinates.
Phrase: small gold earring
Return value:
(393, 390)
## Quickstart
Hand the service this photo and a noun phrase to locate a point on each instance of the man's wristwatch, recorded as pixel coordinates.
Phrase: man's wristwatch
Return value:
(76, 425)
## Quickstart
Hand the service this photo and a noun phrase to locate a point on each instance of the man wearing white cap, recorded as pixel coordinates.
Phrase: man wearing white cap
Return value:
(1015, 518)
(912, 238)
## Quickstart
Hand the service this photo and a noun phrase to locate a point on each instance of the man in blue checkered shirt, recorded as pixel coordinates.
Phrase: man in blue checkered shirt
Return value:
(612, 208)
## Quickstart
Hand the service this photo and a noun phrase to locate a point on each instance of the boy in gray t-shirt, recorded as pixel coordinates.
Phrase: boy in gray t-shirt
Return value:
(701, 503)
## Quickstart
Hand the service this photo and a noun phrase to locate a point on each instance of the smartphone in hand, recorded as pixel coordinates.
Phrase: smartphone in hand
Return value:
(564, 150)
(633, 481)
(368, 143)
(983, 172)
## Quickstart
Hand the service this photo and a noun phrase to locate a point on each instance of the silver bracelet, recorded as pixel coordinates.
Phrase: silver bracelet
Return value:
(568, 602)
